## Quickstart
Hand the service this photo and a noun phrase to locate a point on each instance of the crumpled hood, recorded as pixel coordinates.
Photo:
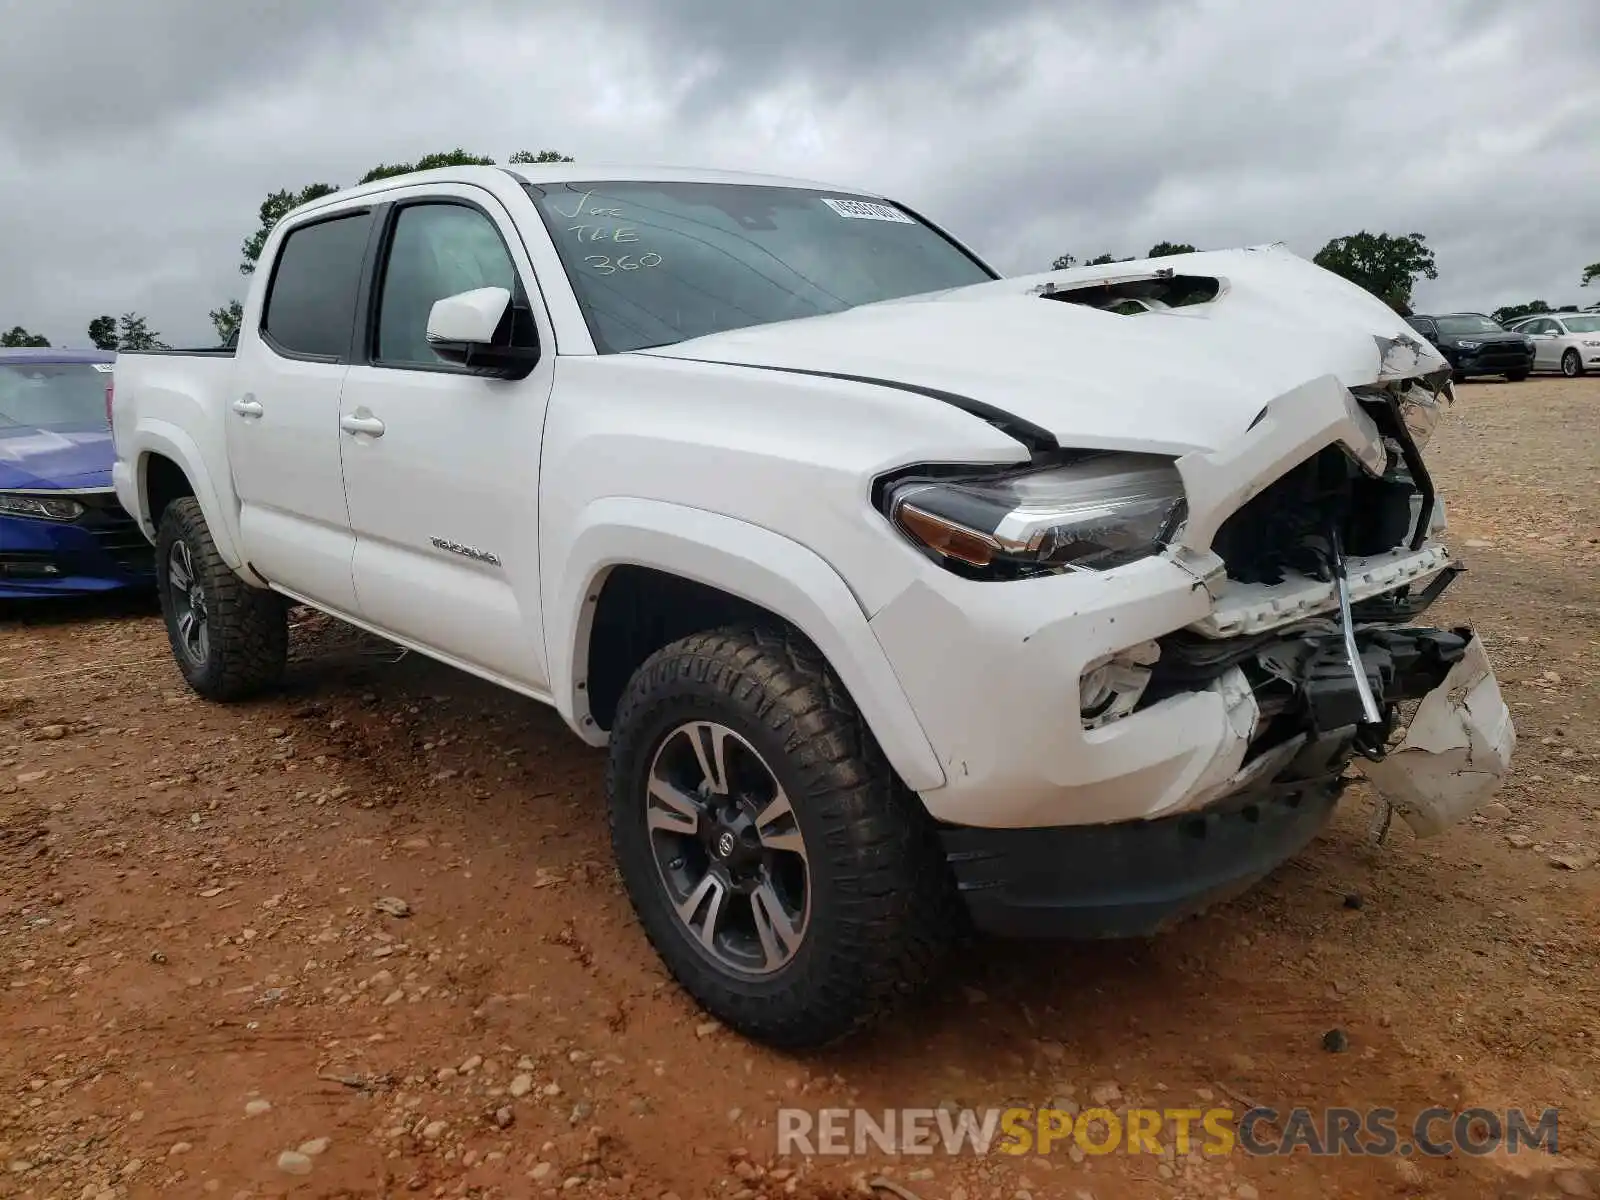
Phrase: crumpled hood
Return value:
(65, 457)
(1172, 381)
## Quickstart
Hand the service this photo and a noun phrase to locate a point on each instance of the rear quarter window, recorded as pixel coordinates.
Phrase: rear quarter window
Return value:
(311, 302)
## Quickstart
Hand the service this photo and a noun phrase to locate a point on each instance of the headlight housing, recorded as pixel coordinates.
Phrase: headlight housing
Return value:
(1468, 345)
(1093, 512)
(45, 508)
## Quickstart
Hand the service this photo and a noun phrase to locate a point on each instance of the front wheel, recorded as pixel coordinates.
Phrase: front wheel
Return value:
(788, 879)
(230, 640)
(1572, 364)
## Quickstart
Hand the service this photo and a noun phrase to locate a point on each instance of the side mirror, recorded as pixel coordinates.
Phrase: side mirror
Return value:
(476, 328)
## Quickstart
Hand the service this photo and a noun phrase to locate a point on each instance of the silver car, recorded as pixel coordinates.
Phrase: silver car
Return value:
(1565, 342)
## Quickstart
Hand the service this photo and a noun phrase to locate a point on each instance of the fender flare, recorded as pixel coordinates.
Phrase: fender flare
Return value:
(744, 560)
(172, 442)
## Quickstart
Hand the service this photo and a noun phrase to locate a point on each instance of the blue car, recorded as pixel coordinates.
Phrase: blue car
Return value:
(61, 529)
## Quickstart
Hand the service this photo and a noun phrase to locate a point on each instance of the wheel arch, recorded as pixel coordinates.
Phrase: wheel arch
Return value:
(169, 465)
(703, 570)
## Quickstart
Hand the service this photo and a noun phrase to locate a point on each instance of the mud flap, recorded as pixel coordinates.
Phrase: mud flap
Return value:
(1456, 751)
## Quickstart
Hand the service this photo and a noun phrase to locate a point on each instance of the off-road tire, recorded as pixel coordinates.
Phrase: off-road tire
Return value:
(1572, 364)
(248, 626)
(883, 908)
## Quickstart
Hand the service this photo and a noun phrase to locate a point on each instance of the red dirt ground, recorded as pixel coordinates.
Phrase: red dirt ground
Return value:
(195, 979)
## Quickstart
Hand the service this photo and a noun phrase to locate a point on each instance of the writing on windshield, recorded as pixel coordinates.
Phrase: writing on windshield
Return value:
(655, 263)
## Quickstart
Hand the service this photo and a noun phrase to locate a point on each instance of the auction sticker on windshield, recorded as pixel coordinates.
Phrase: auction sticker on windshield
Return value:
(864, 210)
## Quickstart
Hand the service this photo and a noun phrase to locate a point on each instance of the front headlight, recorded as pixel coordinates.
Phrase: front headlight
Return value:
(46, 508)
(1468, 345)
(1591, 342)
(1098, 512)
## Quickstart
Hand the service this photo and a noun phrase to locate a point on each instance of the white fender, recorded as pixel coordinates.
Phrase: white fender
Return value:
(744, 560)
(163, 438)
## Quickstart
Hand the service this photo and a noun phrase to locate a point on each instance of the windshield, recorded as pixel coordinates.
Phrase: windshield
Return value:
(1469, 324)
(1581, 324)
(46, 393)
(656, 263)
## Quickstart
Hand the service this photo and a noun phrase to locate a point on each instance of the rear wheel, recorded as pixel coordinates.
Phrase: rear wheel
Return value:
(230, 640)
(1572, 364)
(788, 879)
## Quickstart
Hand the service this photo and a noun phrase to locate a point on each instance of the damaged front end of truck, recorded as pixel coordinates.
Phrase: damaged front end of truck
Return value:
(1350, 538)
(1318, 542)
(1318, 581)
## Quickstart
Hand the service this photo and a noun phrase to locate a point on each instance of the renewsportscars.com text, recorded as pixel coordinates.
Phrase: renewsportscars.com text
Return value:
(1431, 1132)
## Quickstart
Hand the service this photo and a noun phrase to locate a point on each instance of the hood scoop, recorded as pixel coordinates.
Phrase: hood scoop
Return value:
(1134, 294)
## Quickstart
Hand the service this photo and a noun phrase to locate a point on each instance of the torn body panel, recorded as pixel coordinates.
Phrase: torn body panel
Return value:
(1456, 751)
(1289, 430)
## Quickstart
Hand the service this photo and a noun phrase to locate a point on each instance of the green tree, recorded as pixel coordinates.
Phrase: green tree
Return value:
(1386, 265)
(542, 156)
(1162, 249)
(19, 338)
(1064, 261)
(103, 332)
(226, 319)
(1511, 312)
(273, 209)
(1590, 274)
(134, 333)
(445, 158)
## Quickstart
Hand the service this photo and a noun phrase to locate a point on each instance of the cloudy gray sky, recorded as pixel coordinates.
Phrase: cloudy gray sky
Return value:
(138, 139)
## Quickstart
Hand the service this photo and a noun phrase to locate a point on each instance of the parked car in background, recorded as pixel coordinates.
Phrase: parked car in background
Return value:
(62, 529)
(891, 585)
(1474, 344)
(1565, 342)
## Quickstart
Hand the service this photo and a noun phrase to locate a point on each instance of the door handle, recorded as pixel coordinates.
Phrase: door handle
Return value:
(367, 425)
(245, 406)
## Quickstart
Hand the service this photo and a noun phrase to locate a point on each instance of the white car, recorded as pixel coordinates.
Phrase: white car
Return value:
(1565, 342)
(901, 595)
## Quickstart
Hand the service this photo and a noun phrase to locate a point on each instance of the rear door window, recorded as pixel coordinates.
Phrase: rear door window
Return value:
(311, 303)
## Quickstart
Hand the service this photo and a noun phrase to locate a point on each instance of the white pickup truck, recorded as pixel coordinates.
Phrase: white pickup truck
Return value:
(904, 597)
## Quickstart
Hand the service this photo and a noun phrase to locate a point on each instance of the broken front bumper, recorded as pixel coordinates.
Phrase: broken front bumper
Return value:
(1455, 752)
(1132, 878)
